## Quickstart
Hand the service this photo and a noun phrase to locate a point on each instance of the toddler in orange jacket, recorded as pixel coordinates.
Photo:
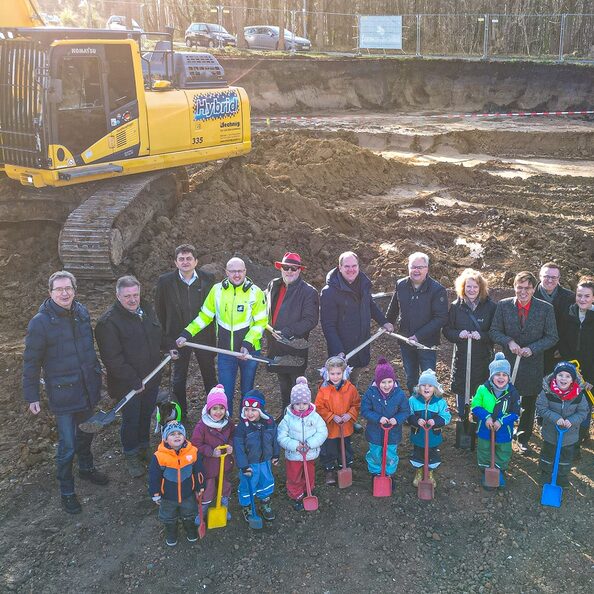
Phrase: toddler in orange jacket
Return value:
(338, 403)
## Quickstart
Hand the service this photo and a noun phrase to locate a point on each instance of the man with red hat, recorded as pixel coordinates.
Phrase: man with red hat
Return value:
(293, 311)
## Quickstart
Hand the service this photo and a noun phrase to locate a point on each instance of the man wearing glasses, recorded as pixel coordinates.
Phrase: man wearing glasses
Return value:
(420, 305)
(239, 308)
(549, 290)
(293, 311)
(525, 326)
(60, 341)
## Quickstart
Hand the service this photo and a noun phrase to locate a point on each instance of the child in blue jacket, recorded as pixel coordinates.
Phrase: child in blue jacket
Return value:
(175, 478)
(428, 409)
(256, 449)
(384, 404)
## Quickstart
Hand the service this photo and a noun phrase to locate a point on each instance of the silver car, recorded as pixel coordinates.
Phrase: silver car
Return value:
(266, 37)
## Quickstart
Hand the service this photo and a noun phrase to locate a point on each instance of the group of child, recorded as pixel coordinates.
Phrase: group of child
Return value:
(183, 475)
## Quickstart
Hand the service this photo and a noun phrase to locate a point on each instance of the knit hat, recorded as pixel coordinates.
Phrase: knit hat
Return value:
(566, 366)
(428, 377)
(216, 396)
(499, 365)
(383, 371)
(171, 427)
(254, 399)
(300, 393)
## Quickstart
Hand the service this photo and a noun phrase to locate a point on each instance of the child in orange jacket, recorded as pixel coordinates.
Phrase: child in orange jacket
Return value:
(338, 403)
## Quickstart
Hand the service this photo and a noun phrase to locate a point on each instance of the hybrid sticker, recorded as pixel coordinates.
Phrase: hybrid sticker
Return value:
(216, 105)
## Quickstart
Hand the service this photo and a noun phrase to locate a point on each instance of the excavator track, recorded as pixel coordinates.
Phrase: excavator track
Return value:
(97, 234)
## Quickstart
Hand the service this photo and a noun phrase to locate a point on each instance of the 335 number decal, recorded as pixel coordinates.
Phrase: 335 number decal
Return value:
(197, 140)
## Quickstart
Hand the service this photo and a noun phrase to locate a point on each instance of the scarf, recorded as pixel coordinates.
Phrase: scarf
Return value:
(303, 413)
(565, 395)
(210, 422)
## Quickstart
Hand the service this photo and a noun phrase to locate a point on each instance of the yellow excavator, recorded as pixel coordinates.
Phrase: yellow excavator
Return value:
(86, 106)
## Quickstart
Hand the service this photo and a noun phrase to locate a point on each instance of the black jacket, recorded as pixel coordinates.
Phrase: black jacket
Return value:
(346, 316)
(460, 318)
(61, 342)
(129, 347)
(420, 312)
(563, 300)
(177, 304)
(577, 341)
(297, 317)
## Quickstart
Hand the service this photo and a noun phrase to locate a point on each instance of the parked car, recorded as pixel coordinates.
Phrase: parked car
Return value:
(266, 37)
(208, 35)
(50, 20)
(118, 23)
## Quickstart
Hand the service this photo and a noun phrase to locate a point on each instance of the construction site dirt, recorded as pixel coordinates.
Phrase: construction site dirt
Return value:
(497, 194)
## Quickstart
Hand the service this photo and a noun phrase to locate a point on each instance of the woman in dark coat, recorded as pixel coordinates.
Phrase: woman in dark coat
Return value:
(470, 316)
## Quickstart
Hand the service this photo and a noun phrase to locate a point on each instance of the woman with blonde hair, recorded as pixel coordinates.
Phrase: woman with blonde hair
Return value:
(470, 316)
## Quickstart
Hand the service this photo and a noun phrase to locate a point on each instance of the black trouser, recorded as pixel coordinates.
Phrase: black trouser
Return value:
(526, 424)
(547, 459)
(180, 374)
(331, 456)
(286, 381)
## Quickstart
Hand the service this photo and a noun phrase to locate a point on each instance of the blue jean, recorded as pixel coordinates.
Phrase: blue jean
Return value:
(227, 369)
(71, 440)
(136, 420)
(416, 361)
(180, 374)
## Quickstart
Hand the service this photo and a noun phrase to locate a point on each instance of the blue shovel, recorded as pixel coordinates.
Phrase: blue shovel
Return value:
(254, 520)
(552, 492)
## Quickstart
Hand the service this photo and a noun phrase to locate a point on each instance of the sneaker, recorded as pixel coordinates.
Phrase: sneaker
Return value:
(266, 510)
(94, 476)
(525, 450)
(171, 534)
(135, 467)
(246, 510)
(418, 477)
(432, 478)
(330, 477)
(298, 505)
(70, 504)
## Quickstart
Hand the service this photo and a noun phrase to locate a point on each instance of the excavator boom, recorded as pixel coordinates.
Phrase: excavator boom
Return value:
(20, 13)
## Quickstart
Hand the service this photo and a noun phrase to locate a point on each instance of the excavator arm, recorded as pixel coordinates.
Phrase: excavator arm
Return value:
(19, 13)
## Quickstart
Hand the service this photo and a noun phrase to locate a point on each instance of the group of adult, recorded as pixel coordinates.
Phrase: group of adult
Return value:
(542, 323)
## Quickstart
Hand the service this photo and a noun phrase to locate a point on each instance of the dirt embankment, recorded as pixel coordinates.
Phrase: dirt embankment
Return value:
(302, 86)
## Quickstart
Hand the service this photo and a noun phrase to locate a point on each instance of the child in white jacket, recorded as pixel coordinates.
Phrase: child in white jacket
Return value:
(301, 433)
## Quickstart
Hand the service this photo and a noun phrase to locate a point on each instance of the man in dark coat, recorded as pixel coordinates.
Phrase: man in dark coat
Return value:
(346, 311)
(293, 311)
(60, 341)
(129, 339)
(549, 290)
(525, 326)
(178, 298)
(420, 305)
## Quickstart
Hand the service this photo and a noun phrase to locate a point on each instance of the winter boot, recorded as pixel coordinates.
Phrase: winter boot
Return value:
(418, 477)
(70, 504)
(135, 467)
(94, 476)
(171, 534)
(432, 478)
(266, 510)
(246, 510)
(191, 529)
(501, 479)
(225, 502)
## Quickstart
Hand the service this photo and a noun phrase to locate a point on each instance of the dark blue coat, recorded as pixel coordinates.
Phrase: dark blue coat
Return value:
(420, 312)
(374, 406)
(61, 342)
(255, 442)
(346, 316)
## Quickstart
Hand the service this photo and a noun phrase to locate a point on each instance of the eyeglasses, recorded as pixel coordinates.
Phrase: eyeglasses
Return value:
(290, 268)
(547, 277)
(235, 271)
(68, 290)
(418, 267)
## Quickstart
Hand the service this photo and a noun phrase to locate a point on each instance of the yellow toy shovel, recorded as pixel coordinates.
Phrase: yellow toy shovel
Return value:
(217, 516)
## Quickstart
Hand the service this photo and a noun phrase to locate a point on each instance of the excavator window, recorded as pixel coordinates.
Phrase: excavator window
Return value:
(120, 78)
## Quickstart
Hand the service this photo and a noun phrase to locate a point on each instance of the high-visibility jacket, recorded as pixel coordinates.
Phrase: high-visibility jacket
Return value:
(240, 313)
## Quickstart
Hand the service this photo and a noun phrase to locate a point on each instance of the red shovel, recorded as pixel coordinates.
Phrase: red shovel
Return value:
(382, 484)
(345, 475)
(202, 525)
(492, 473)
(425, 489)
(310, 502)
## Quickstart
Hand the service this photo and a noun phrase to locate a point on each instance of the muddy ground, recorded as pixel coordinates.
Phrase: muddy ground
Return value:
(500, 204)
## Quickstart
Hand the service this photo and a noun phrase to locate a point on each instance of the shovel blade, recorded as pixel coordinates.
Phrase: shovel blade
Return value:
(255, 522)
(492, 477)
(382, 486)
(287, 361)
(217, 517)
(551, 495)
(425, 490)
(463, 437)
(310, 503)
(345, 477)
(202, 529)
(97, 422)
